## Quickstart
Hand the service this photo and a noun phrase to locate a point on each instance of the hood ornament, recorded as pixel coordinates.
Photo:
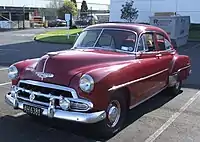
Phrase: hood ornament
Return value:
(44, 75)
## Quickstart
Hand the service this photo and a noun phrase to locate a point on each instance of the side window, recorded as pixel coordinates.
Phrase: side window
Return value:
(160, 41)
(146, 43)
(141, 44)
(163, 43)
(167, 45)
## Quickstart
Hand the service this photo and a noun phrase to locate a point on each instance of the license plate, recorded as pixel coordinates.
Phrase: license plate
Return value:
(32, 110)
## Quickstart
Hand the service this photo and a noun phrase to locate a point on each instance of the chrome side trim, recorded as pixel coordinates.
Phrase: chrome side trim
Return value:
(137, 80)
(131, 107)
(52, 86)
(173, 78)
(93, 117)
(183, 68)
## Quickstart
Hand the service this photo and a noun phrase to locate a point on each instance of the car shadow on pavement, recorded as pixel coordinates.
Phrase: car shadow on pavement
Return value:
(150, 105)
(25, 128)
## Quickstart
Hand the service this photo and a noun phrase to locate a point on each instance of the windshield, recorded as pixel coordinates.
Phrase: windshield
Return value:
(107, 39)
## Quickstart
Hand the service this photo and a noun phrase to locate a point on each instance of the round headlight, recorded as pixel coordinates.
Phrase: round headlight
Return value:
(86, 83)
(12, 72)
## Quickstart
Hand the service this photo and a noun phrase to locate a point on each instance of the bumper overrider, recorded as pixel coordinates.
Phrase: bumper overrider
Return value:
(51, 110)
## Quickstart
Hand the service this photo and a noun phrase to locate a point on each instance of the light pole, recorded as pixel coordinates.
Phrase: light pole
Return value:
(150, 6)
(91, 16)
(176, 7)
(23, 16)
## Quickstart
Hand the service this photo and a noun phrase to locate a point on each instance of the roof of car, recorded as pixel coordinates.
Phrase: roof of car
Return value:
(128, 26)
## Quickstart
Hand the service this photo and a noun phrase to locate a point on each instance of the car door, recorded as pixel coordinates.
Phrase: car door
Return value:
(151, 69)
(166, 53)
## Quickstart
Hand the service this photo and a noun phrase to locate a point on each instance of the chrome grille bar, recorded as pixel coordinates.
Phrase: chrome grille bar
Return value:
(51, 86)
(34, 101)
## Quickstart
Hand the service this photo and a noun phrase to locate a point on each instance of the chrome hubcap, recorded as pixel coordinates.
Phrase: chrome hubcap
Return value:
(177, 85)
(114, 112)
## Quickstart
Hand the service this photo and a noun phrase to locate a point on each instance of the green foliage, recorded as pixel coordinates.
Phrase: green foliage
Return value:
(128, 12)
(84, 9)
(74, 1)
(58, 36)
(67, 8)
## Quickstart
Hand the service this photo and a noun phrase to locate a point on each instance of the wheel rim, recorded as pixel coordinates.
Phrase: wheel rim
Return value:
(114, 112)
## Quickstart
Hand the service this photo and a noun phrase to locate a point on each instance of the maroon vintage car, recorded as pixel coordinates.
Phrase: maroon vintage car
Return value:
(110, 69)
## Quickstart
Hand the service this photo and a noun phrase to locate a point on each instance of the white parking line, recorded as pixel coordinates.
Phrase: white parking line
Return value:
(195, 46)
(6, 83)
(19, 114)
(155, 135)
(2, 69)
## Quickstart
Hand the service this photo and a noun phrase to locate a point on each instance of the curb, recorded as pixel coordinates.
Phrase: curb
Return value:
(50, 42)
(194, 40)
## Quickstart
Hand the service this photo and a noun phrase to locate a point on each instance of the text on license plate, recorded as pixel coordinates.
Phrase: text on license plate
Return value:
(32, 110)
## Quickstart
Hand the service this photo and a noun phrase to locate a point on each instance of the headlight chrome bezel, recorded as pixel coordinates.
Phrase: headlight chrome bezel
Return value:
(88, 80)
(13, 72)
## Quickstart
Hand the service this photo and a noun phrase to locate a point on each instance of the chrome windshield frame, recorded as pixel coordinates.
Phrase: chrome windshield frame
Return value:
(116, 50)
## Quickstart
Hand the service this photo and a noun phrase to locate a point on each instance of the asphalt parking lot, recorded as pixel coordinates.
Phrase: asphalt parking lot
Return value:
(161, 119)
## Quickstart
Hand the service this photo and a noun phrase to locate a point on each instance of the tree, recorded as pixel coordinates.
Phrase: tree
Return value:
(56, 4)
(67, 8)
(52, 8)
(84, 9)
(74, 1)
(128, 12)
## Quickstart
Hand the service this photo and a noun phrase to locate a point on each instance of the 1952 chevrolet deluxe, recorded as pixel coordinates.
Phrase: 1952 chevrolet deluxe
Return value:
(110, 69)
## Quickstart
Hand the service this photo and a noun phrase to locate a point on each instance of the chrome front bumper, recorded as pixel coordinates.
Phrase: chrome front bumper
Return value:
(58, 113)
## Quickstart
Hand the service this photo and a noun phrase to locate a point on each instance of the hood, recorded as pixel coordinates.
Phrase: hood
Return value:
(65, 64)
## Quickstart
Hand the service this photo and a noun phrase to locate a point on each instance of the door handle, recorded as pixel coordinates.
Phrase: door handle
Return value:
(158, 55)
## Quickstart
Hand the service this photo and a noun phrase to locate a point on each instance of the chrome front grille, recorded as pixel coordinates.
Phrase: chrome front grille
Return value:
(49, 95)
(43, 92)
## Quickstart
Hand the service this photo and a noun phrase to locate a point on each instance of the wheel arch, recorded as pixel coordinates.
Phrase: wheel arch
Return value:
(126, 93)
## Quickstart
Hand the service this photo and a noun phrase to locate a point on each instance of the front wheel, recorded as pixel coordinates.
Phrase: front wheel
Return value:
(115, 115)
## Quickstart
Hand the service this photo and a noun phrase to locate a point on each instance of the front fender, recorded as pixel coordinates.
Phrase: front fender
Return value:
(103, 81)
(21, 66)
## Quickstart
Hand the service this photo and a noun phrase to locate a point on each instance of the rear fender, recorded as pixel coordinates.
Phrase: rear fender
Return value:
(180, 67)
